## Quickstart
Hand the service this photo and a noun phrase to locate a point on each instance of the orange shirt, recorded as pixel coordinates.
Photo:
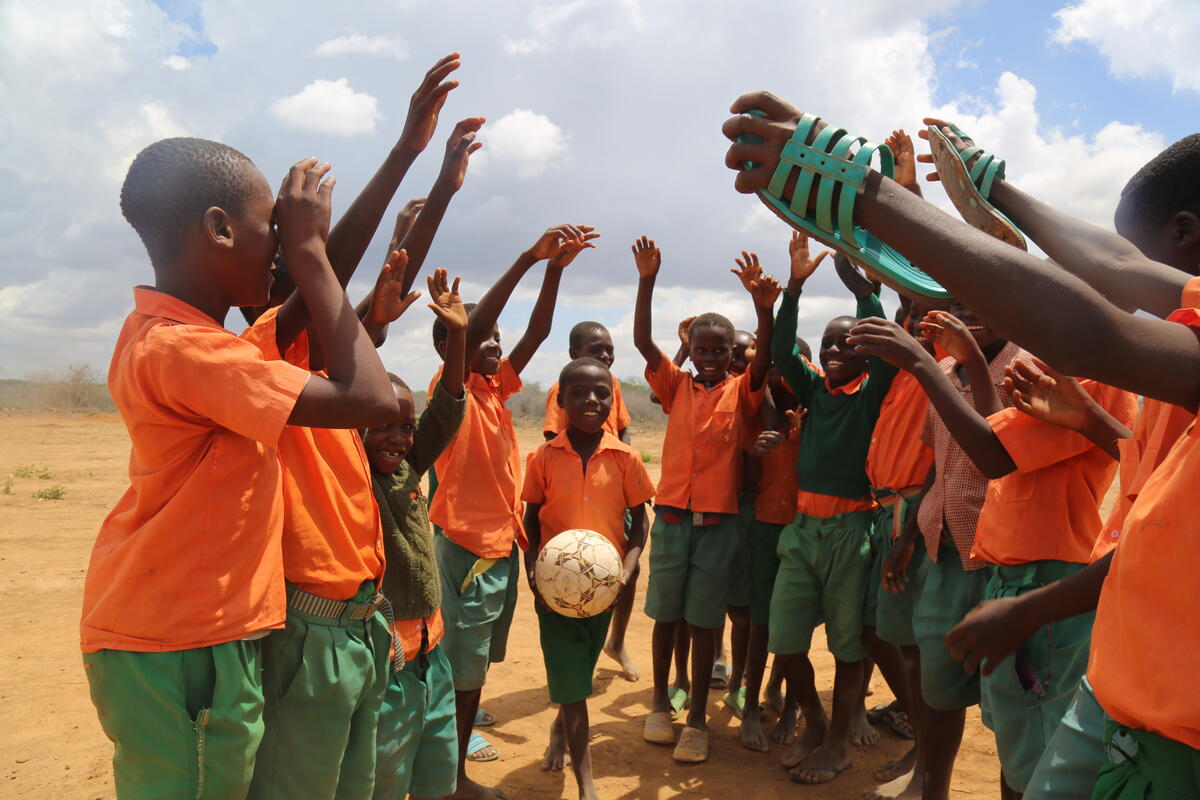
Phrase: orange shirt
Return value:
(815, 504)
(556, 418)
(1048, 509)
(595, 499)
(332, 539)
(776, 499)
(408, 631)
(190, 555)
(477, 504)
(702, 457)
(898, 459)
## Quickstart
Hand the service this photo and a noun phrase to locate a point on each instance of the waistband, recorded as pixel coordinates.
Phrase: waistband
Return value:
(1167, 765)
(889, 497)
(342, 612)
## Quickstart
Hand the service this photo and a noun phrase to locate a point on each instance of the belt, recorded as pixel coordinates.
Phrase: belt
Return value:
(317, 606)
(887, 498)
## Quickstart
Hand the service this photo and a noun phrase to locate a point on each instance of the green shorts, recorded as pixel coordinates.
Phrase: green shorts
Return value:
(944, 593)
(823, 568)
(477, 620)
(1144, 766)
(185, 723)
(764, 565)
(323, 682)
(418, 737)
(739, 579)
(893, 613)
(1023, 719)
(570, 647)
(689, 570)
(1074, 754)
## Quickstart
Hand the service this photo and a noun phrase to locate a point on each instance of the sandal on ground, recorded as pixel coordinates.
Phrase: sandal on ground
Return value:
(657, 728)
(879, 715)
(720, 675)
(484, 718)
(969, 187)
(477, 744)
(692, 747)
(900, 724)
(736, 702)
(680, 701)
(837, 173)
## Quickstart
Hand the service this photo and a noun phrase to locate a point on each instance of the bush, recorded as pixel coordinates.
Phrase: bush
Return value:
(50, 493)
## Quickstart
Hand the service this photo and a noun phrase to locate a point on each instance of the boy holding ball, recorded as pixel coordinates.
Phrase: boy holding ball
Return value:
(583, 478)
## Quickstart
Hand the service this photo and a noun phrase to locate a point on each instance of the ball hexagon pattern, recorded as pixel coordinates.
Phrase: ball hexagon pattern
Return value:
(578, 573)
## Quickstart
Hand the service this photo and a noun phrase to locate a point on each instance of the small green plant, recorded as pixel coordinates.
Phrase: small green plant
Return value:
(32, 471)
(50, 493)
(647, 458)
(8, 482)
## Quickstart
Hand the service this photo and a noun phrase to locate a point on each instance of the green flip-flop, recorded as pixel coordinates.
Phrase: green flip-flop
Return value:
(680, 700)
(969, 187)
(839, 164)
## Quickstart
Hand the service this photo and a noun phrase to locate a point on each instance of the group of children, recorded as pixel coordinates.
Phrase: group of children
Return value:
(276, 608)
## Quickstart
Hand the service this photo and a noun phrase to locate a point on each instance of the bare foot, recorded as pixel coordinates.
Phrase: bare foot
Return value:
(556, 753)
(773, 697)
(752, 734)
(807, 742)
(784, 731)
(862, 733)
(822, 766)
(628, 670)
(588, 792)
(906, 787)
(897, 768)
(470, 790)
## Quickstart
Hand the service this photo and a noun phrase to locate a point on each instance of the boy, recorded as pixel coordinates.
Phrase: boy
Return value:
(695, 527)
(592, 340)
(825, 553)
(186, 575)
(418, 739)
(583, 478)
(477, 507)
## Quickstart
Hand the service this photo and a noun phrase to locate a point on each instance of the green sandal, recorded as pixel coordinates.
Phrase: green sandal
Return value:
(969, 188)
(830, 162)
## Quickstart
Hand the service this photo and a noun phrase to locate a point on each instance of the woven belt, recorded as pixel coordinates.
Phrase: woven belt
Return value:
(318, 606)
(898, 498)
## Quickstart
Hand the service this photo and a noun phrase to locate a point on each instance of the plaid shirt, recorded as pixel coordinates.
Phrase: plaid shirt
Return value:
(959, 488)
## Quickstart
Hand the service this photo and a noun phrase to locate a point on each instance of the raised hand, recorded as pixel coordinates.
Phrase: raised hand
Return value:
(459, 148)
(646, 257)
(684, 330)
(802, 266)
(426, 104)
(388, 300)
(885, 339)
(858, 284)
(446, 302)
(960, 142)
(765, 291)
(405, 220)
(748, 270)
(573, 248)
(303, 207)
(1047, 395)
(952, 334)
(552, 242)
(905, 172)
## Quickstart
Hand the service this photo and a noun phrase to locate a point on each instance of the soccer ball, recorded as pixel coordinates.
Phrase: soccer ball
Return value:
(578, 573)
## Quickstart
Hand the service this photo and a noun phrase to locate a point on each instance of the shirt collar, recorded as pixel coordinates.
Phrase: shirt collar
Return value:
(607, 442)
(849, 387)
(153, 303)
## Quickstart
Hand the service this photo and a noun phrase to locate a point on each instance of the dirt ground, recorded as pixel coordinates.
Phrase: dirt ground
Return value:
(51, 745)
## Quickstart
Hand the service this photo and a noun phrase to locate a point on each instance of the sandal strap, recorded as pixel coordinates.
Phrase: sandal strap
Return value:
(985, 170)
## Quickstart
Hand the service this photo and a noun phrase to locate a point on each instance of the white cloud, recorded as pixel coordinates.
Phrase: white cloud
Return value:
(1141, 39)
(357, 43)
(177, 63)
(330, 107)
(592, 23)
(527, 140)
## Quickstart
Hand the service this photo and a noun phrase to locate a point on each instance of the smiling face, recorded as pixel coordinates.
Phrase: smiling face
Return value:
(711, 350)
(387, 445)
(743, 351)
(838, 359)
(984, 336)
(486, 360)
(587, 397)
(598, 345)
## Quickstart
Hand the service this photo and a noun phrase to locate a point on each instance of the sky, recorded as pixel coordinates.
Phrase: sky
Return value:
(600, 112)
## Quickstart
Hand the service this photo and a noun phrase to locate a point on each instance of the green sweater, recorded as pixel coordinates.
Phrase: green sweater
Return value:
(837, 430)
(411, 580)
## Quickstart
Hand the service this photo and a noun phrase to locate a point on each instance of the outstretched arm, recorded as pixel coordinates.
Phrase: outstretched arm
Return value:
(648, 260)
(764, 291)
(905, 172)
(1044, 394)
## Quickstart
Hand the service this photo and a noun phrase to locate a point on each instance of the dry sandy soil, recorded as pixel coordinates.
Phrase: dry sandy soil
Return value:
(51, 745)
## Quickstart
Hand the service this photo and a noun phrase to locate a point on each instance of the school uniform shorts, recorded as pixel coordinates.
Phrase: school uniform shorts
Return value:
(944, 593)
(1145, 766)
(1024, 718)
(418, 737)
(690, 570)
(891, 614)
(1075, 753)
(824, 563)
(570, 649)
(739, 579)
(764, 566)
(477, 617)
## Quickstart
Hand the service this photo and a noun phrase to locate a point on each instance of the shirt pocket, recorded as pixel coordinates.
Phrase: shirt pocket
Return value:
(1015, 487)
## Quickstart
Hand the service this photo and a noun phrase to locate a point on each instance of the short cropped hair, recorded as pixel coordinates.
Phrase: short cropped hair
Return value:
(1168, 183)
(711, 319)
(574, 371)
(439, 328)
(581, 330)
(398, 382)
(173, 181)
(803, 348)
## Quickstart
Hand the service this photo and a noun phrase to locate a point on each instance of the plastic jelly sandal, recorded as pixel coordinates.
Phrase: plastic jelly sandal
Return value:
(969, 187)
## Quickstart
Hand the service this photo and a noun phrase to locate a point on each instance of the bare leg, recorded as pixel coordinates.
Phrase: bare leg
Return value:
(556, 751)
(614, 648)
(752, 735)
(719, 654)
(784, 731)
(942, 735)
(739, 638)
(833, 756)
(905, 777)
(702, 664)
(683, 647)
(861, 731)
(799, 673)
(465, 706)
(662, 644)
(773, 694)
(575, 722)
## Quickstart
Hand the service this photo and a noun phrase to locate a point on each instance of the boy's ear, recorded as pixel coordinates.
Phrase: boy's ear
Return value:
(558, 398)
(217, 229)
(441, 349)
(1185, 227)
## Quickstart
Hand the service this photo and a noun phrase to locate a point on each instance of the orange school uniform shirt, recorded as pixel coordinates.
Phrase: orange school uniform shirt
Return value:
(332, 539)
(702, 456)
(408, 631)
(477, 504)
(556, 417)
(898, 459)
(190, 556)
(1048, 509)
(776, 499)
(594, 499)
